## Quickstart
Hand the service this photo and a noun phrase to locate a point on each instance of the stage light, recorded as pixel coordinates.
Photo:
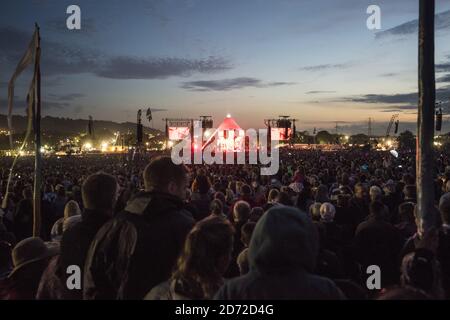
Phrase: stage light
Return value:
(42, 150)
(87, 146)
(104, 146)
(228, 116)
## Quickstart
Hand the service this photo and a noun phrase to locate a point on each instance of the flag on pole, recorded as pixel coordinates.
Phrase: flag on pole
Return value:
(27, 59)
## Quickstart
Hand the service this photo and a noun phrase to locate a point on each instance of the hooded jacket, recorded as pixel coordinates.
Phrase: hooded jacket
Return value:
(137, 249)
(282, 256)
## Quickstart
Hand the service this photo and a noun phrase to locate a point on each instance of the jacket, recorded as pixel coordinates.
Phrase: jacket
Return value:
(282, 256)
(137, 249)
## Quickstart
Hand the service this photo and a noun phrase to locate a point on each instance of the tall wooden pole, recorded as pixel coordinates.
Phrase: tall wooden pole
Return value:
(37, 135)
(425, 122)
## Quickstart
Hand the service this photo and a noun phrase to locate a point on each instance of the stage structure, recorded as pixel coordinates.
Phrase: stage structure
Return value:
(139, 129)
(178, 129)
(90, 128)
(228, 137)
(281, 129)
(394, 122)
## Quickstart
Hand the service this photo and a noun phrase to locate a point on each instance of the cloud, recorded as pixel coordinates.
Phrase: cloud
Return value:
(52, 81)
(158, 110)
(325, 122)
(442, 22)
(78, 109)
(318, 92)
(401, 101)
(20, 105)
(378, 127)
(57, 58)
(322, 67)
(61, 59)
(384, 98)
(398, 108)
(388, 75)
(445, 78)
(443, 67)
(88, 27)
(160, 68)
(230, 84)
(67, 97)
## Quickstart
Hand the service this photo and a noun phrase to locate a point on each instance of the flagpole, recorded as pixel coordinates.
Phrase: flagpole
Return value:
(37, 133)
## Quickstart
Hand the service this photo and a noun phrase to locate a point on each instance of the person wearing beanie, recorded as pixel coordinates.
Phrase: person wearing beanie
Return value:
(282, 258)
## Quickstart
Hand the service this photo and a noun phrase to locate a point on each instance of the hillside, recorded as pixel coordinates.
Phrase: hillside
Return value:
(69, 126)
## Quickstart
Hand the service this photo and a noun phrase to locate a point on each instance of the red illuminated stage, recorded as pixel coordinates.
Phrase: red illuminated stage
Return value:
(229, 137)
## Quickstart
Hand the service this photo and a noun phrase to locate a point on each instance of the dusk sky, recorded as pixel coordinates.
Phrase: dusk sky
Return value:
(312, 59)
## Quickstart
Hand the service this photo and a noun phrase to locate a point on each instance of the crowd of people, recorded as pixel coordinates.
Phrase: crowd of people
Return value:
(150, 229)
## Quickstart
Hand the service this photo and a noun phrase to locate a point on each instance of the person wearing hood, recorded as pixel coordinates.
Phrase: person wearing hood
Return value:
(139, 247)
(282, 256)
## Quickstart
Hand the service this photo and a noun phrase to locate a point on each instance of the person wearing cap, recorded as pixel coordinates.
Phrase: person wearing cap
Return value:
(282, 257)
(30, 258)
